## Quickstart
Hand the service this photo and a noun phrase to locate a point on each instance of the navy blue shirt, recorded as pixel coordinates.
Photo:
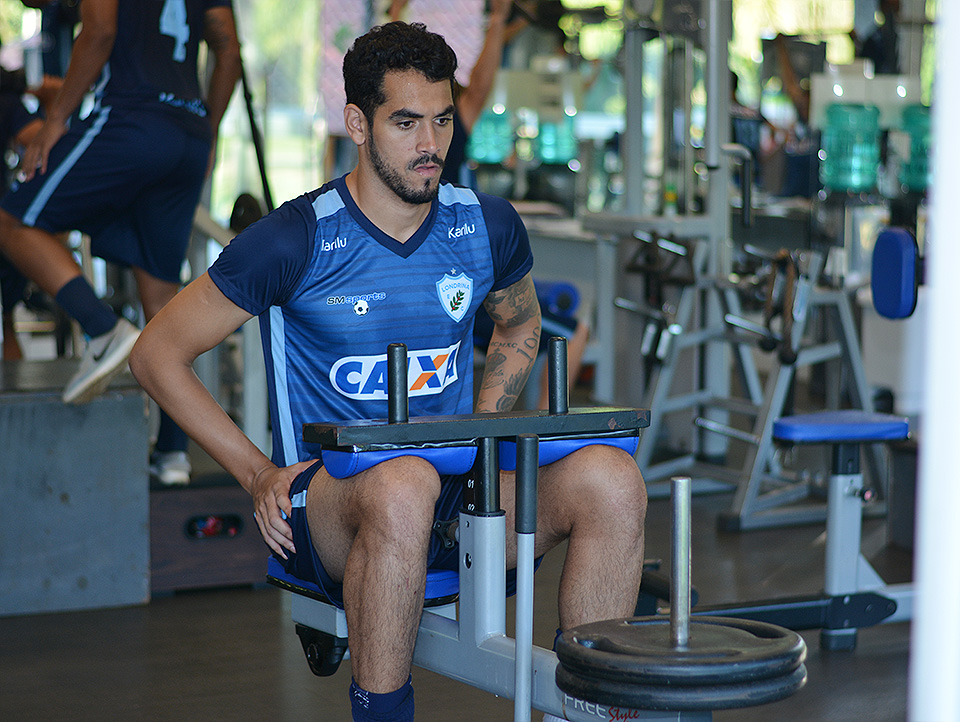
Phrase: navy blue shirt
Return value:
(153, 63)
(333, 291)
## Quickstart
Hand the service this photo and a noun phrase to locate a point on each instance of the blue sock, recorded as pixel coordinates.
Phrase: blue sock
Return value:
(78, 299)
(170, 437)
(396, 706)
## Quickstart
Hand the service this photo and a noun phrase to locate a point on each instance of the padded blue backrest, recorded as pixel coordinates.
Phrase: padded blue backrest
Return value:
(895, 273)
(555, 449)
(446, 460)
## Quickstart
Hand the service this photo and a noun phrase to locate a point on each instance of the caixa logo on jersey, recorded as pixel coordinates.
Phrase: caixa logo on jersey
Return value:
(364, 378)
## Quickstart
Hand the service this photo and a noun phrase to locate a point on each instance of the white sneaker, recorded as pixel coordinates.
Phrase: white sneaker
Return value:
(171, 468)
(104, 357)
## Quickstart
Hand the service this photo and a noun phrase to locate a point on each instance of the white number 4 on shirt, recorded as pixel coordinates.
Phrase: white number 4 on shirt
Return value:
(173, 22)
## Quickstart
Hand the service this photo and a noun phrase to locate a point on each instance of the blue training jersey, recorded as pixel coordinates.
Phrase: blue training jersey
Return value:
(333, 291)
(153, 63)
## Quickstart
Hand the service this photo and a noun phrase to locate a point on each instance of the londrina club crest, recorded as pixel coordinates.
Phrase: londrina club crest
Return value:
(456, 293)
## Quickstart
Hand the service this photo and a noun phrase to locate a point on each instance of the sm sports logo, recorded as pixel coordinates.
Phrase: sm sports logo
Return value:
(364, 378)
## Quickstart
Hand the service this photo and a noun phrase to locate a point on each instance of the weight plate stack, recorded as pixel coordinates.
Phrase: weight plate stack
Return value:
(726, 664)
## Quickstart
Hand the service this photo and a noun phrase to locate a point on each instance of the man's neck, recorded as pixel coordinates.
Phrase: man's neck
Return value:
(395, 217)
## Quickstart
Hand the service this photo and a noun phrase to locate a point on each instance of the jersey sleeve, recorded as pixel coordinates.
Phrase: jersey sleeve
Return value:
(509, 244)
(264, 264)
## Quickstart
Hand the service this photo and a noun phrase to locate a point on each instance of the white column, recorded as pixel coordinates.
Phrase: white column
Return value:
(934, 686)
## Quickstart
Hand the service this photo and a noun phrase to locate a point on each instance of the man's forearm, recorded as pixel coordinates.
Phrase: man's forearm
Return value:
(178, 390)
(193, 322)
(510, 358)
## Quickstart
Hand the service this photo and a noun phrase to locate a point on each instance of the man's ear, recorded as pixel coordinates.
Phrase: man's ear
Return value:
(356, 123)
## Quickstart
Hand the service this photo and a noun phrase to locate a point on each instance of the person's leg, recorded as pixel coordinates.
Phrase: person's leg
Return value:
(169, 462)
(160, 226)
(154, 293)
(42, 257)
(595, 498)
(372, 533)
(12, 288)
(11, 346)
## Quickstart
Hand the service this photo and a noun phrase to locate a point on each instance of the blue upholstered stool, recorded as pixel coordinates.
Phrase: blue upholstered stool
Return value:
(847, 571)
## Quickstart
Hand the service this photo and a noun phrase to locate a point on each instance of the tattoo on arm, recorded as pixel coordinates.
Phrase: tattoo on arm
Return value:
(514, 305)
(510, 356)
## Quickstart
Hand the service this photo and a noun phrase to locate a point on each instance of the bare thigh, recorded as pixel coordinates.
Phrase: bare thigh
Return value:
(398, 493)
(597, 485)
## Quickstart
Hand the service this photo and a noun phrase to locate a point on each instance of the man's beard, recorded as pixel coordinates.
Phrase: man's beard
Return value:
(393, 180)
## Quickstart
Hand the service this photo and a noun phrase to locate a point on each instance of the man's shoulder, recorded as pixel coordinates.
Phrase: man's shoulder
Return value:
(493, 207)
(323, 201)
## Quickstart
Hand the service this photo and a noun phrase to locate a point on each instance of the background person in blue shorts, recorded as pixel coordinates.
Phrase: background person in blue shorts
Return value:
(129, 173)
(388, 253)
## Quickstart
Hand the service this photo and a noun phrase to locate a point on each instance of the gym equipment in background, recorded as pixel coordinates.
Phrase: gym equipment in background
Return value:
(854, 594)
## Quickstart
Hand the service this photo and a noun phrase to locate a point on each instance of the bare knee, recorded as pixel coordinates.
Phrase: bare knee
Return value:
(603, 485)
(398, 497)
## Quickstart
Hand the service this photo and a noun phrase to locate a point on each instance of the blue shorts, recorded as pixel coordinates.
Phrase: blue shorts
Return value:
(129, 178)
(306, 564)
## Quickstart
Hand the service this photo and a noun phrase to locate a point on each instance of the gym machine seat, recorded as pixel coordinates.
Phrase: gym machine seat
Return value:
(847, 572)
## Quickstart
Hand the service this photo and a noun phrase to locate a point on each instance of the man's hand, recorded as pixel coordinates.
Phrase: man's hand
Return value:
(271, 502)
(38, 151)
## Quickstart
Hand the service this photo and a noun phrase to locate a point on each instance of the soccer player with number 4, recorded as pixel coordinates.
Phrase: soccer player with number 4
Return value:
(128, 172)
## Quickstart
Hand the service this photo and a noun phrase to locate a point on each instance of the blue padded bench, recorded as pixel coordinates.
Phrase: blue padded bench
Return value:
(843, 426)
(555, 449)
(460, 459)
(847, 572)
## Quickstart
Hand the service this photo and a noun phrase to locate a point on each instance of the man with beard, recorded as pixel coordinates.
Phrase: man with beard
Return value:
(388, 254)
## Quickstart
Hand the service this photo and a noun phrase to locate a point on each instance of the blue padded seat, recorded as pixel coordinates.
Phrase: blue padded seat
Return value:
(446, 459)
(553, 450)
(442, 585)
(460, 459)
(851, 426)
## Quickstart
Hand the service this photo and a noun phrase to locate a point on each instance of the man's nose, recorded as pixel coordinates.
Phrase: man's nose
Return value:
(428, 141)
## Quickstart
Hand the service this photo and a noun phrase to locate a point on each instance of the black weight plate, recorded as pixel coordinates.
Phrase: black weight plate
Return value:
(721, 650)
(680, 698)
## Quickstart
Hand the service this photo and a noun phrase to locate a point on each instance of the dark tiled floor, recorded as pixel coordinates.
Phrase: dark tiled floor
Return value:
(233, 655)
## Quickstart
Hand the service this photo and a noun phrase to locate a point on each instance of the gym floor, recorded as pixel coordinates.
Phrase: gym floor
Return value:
(232, 654)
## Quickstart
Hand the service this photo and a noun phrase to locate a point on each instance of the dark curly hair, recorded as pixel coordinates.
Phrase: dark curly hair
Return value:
(394, 46)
